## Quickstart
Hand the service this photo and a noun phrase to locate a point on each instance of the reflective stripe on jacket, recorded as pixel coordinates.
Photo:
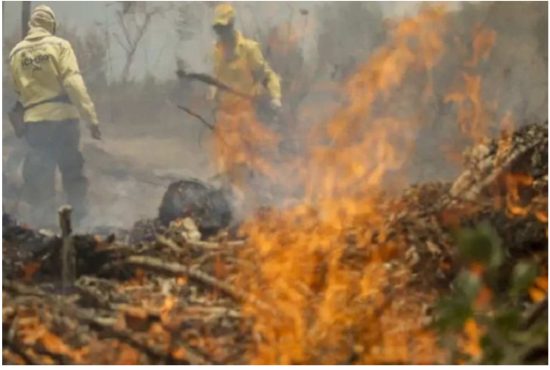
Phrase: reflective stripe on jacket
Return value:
(43, 67)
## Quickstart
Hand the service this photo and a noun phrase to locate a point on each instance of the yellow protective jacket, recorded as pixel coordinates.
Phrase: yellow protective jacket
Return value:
(43, 67)
(245, 70)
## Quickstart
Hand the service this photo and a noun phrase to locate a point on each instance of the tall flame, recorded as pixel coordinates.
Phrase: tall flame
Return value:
(473, 111)
(325, 309)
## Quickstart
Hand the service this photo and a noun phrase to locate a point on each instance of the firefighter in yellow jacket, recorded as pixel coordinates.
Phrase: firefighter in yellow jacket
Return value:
(53, 95)
(246, 138)
(239, 63)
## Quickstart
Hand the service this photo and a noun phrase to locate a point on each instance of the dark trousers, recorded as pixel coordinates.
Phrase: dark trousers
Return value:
(54, 144)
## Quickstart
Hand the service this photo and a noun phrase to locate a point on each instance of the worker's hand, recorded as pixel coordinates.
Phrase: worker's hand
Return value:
(180, 73)
(94, 131)
(276, 105)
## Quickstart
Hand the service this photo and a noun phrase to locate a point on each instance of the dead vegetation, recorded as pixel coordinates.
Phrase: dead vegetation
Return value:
(170, 297)
(355, 280)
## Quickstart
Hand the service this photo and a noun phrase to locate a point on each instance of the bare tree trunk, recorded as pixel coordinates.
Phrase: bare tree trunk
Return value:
(126, 70)
(131, 38)
(25, 16)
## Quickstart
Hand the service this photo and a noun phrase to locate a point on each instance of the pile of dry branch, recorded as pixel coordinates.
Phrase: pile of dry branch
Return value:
(166, 296)
(505, 183)
(165, 301)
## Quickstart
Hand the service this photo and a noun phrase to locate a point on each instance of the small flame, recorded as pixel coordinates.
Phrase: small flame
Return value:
(482, 44)
(471, 341)
(514, 183)
(472, 113)
(539, 290)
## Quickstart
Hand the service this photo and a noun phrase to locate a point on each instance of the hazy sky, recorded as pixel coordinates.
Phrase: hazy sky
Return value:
(88, 12)
(161, 45)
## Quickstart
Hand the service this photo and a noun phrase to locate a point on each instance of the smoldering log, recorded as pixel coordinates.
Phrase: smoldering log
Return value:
(207, 206)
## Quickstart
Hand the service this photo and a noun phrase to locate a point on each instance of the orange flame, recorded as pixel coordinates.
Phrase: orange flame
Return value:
(473, 111)
(472, 337)
(472, 114)
(539, 290)
(514, 183)
(243, 144)
(324, 310)
(482, 44)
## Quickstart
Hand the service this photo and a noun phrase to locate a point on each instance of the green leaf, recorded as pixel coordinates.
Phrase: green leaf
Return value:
(452, 313)
(507, 320)
(522, 277)
(481, 244)
(492, 354)
(467, 285)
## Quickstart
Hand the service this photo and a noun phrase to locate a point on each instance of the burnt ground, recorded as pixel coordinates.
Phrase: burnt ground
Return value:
(128, 170)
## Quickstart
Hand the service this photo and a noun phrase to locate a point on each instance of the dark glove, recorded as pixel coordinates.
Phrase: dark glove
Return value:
(94, 131)
(181, 74)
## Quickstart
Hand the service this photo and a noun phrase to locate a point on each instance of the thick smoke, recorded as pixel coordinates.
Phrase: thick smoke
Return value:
(315, 47)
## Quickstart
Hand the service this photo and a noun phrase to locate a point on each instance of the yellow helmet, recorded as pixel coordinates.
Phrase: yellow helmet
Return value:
(224, 14)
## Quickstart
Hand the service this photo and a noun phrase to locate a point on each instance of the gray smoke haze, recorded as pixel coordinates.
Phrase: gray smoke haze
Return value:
(148, 142)
(163, 42)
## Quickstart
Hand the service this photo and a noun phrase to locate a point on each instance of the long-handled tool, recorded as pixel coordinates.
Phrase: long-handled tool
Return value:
(203, 121)
(259, 102)
(197, 116)
(209, 80)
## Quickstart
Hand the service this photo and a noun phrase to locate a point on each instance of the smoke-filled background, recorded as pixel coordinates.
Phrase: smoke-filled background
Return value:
(314, 46)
